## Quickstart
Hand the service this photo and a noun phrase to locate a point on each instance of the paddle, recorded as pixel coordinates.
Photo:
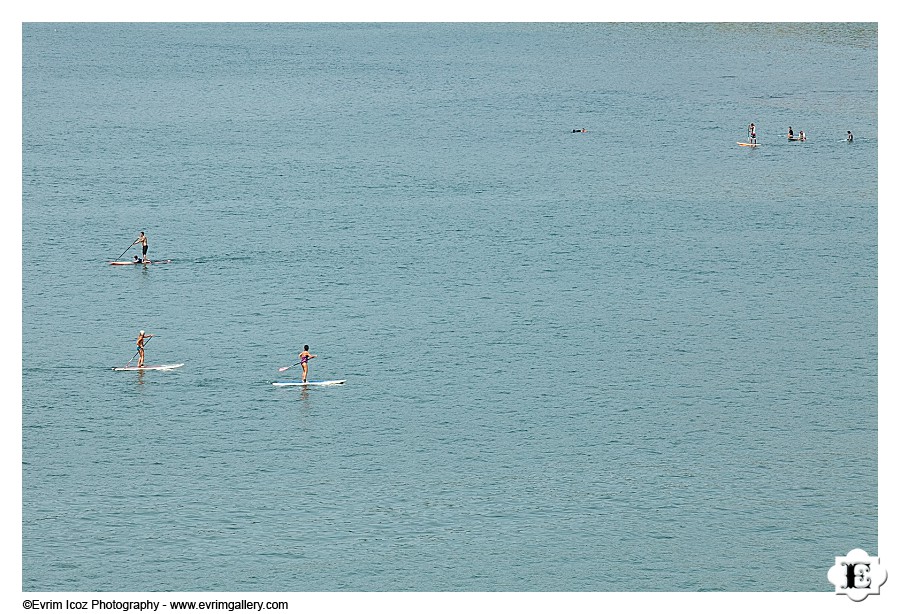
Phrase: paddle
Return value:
(123, 253)
(286, 368)
(280, 369)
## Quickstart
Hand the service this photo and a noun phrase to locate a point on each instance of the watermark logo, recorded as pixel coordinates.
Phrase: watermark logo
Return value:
(857, 575)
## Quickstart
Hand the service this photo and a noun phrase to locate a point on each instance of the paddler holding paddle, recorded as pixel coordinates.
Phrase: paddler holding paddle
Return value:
(304, 357)
(142, 239)
(141, 340)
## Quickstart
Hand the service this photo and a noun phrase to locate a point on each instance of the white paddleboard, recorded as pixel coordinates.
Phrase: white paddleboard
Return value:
(150, 367)
(334, 382)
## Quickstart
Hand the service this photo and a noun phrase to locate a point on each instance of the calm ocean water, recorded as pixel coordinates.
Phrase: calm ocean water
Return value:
(574, 361)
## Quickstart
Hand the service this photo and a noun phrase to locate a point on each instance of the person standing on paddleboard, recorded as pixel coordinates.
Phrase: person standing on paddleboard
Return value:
(141, 340)
(142, 239)
(751, 133)
(304, 357)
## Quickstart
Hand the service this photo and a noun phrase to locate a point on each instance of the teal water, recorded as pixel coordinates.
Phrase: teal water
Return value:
(636, 358)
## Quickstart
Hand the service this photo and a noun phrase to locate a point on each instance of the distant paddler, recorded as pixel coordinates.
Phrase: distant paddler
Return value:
(751, 133)
(849, 137)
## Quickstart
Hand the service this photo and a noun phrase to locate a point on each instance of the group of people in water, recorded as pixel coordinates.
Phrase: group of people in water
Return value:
(304, 356)
(791, 137)
(751, 134)
(801, 136)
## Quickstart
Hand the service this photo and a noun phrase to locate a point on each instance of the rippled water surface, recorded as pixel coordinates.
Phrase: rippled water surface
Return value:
(570, 357)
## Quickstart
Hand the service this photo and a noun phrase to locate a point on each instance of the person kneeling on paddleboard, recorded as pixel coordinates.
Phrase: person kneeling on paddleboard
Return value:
(141, 340)
(304, 357)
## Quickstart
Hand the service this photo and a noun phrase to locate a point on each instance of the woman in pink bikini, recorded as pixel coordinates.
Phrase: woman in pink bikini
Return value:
(304, 357)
